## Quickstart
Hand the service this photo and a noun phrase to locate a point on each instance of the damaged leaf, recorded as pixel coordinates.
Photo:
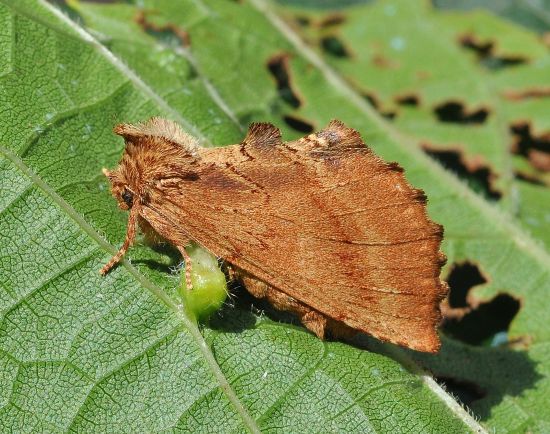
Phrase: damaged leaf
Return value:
(478, 86)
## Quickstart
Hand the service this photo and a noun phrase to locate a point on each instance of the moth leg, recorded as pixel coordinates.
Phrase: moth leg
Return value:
(230, 272)
(130, 235)
(188, 267)
(315, 322)
(310, 318)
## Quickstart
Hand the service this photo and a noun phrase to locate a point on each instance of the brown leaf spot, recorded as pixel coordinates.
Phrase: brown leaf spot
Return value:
(535, 148)
(279, 69)
(485, 51)
(478, 175)
(423, 75)
(455, 112)
(383, 62)
(539, 159)
(531, 93)
(167, 30)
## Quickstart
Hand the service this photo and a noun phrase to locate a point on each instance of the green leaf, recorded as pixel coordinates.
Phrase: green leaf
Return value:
(530, 13)
(85, 353)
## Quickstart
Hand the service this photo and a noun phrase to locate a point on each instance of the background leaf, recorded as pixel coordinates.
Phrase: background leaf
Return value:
(530, 13)
(86, 353)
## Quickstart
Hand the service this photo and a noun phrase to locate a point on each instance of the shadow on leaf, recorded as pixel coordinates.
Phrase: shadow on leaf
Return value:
(237, 314)
(479, 377)
(164, 249)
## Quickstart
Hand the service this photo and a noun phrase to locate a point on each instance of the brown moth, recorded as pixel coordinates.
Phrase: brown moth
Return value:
(320, 226)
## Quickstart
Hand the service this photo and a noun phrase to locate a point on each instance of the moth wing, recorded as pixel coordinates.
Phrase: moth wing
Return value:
(325, 221)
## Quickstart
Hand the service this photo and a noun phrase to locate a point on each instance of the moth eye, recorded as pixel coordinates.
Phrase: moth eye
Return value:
(128, 198)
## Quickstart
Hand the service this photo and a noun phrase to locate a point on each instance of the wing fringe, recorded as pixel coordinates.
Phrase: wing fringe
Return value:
(262, 134)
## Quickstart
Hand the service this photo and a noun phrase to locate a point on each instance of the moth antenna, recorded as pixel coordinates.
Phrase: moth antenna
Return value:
(130, 235)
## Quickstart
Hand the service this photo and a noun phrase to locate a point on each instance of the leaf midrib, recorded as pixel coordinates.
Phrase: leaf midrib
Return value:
(188, 56)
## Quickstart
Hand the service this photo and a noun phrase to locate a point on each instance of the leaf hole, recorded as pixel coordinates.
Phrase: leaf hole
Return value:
(408, 100)
(331, 20)
(485, 51)
(279, 69)
(302, 20)
(481, 48)
(462, 278)
(168, 33)
(372, 99)
(526, 177)
(479, 177)
(298, 124)
(471, 321)
(535, 149)
(485, 324)
(333, 46)
(455, 112)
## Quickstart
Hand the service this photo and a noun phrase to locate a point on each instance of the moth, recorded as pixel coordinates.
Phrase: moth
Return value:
(319, 226)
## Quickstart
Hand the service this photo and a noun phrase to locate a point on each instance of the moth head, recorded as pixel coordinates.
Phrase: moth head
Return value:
(154, 150)
(121, 189)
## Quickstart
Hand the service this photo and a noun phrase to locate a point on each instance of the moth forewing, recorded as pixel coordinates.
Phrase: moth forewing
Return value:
(320, 226)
